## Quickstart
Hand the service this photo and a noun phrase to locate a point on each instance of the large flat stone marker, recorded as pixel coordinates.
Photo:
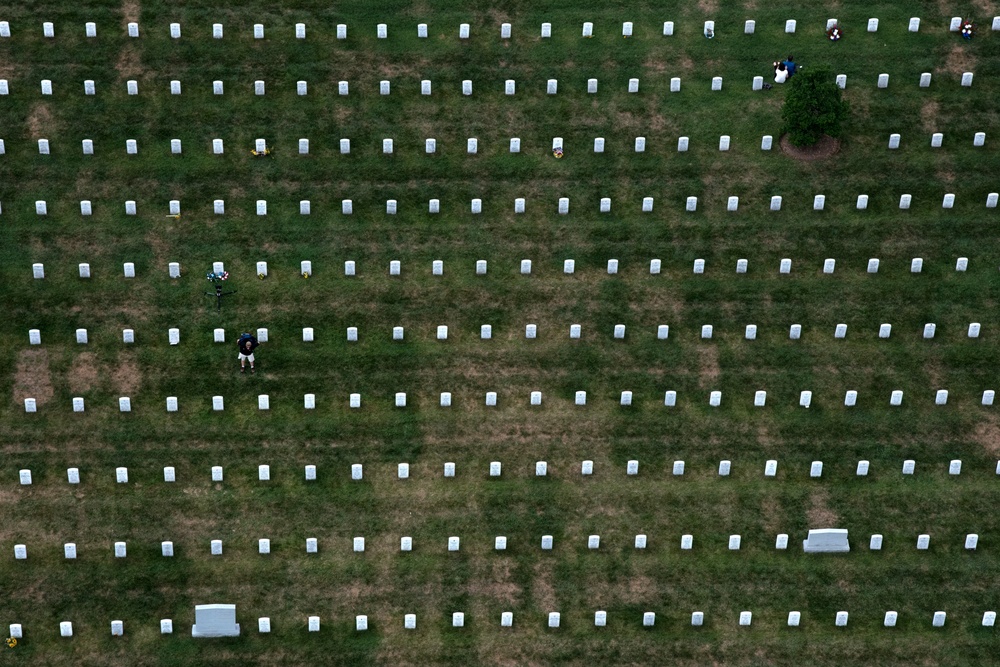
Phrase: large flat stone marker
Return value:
(215, 620)
(826, 540)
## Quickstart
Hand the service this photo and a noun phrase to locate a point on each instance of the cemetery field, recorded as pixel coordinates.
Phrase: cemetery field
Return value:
(646, 424)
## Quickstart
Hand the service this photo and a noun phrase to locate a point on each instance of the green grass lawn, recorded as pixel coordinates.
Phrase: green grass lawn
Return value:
(288, 585)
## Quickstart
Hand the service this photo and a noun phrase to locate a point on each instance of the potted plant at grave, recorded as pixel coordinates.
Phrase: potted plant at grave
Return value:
(814, 108)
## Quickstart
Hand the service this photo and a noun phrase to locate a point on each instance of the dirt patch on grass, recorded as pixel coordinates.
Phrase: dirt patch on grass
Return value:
(40, 121)
(708, 366)
(708, 6)
(32, 377)
(82, 375)
(126, 378)
(500, 588)
(770, 514)
(130, 12)
(541, 587)
(929, 114)
(819, 513)
(987, 436)
(642, 589)
(957, 61)
(822, 149)
(129, 63)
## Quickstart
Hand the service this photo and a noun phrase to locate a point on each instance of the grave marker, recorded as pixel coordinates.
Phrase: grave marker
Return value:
(215, 620)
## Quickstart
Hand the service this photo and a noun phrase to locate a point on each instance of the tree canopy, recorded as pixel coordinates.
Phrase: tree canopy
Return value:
(813, 107)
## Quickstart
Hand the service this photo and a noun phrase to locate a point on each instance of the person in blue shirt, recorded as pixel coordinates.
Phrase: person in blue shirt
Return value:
(790, 65)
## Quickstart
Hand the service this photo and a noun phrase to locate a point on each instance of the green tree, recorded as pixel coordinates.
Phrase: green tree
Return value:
(813, 107)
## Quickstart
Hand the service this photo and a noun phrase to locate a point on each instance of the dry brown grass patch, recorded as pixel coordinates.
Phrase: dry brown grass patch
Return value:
(708, 6)
(987, 436)
(129, 63)
(32, 377)
(127, 378)
(542, 590)
(708, 366)
(819, 513)
(500, 588)
(929, 115)
(957, 61)
(130, 12)
(82, 375)
(40, 121)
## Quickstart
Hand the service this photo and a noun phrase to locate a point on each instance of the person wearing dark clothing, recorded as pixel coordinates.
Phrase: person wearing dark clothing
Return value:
(790, 65)
(246, 344)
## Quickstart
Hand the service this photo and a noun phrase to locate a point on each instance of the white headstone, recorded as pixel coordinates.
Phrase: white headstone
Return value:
(923, 542)
(215, 620)
(988, 396)
(908, 466)
(715, 399)
(632, 468)
(979, 139)
(770, 468)
(311, 545)
(65, 629)
(495, 468)
(310, 473)
(974, 328)
(826, 540)
(746, 617)
(169, 474)
(359, 544)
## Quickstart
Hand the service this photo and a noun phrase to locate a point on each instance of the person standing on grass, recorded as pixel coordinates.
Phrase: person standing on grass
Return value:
(246, 344)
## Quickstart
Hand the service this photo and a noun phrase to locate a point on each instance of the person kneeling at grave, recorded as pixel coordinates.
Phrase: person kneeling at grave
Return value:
(246, 344)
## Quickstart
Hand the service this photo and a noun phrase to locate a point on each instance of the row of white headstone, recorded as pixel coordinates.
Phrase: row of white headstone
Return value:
(482, 266)
(553, 620)
(476, 205)
(734, 543)
(669, 400)
(506, 29)
(426, 86)
(472, 148)
(530, 333)
(496, 468)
